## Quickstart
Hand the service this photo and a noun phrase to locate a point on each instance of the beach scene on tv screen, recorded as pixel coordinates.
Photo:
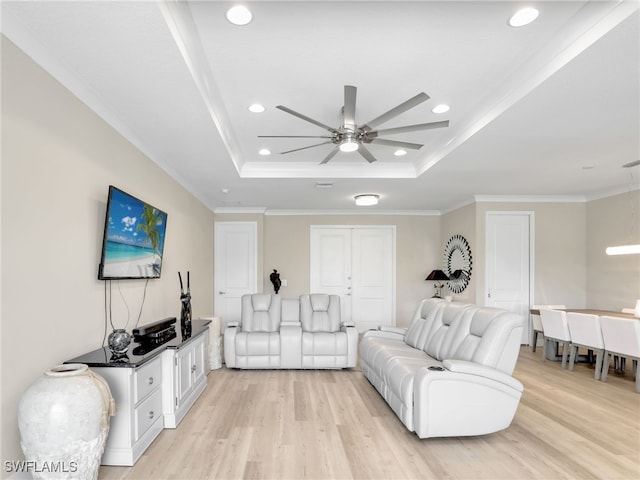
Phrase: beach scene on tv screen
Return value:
(134, 238)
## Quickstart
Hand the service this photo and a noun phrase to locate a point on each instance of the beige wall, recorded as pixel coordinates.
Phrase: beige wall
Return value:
(58, 159)
(560, 252)
(613, 282)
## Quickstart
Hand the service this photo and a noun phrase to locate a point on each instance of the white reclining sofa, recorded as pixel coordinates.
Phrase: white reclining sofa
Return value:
(449, 372)
(290, 333)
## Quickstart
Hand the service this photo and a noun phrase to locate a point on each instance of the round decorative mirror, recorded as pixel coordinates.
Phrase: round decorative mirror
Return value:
(457, 263)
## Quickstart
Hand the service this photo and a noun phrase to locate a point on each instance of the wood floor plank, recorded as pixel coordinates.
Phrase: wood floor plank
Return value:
(334, 425)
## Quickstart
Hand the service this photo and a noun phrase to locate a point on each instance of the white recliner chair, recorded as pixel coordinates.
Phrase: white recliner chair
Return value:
(255, 341)
(326, 341)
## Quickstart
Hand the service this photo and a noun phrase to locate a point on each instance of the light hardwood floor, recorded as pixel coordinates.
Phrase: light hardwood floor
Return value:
(334, 425)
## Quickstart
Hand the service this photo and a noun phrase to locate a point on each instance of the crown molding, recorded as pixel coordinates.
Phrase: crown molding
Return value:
(424, 213)
(530, 198)
(245, 210)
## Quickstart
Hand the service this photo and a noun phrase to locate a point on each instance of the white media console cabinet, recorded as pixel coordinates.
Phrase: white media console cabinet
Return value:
(154, 388)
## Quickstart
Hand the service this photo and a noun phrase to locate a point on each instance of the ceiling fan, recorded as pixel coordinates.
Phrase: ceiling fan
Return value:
(350, 137)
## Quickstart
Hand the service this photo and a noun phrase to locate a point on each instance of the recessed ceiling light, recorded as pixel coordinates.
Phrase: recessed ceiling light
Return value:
(264, 151)
(400, 153)
(366, 199)
(256, 108)
(239, 15)
(523, 17)
(440, 108)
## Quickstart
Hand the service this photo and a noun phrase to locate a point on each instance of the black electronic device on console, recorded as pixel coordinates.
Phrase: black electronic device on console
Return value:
(156, 332)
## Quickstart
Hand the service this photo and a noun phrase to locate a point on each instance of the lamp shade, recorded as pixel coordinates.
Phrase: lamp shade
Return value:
(437, 275)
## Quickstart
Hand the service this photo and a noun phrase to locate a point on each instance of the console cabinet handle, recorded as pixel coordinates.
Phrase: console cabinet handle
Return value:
(150, 381)
(151, 414)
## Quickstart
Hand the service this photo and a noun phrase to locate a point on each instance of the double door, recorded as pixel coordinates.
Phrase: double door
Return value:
(358, 264)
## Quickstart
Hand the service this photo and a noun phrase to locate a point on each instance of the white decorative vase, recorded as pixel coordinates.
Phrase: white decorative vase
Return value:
(636, 311)
(63, 419)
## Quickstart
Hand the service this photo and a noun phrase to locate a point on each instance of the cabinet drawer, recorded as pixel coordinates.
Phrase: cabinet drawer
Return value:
(146, 379)
(147, 413)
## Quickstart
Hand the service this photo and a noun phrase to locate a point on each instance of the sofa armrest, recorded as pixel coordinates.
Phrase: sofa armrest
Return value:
(397, 330)
(463, 399)
(349, 323)
(471, 368)
(393, 334)
(233, 324)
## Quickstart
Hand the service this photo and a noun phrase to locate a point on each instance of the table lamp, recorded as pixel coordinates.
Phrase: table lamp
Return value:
(437, 276)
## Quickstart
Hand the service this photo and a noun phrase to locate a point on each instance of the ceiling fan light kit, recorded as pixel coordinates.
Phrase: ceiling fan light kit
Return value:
(351, 137)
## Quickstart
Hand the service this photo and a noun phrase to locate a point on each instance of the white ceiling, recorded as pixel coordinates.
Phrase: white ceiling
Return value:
(551, 109)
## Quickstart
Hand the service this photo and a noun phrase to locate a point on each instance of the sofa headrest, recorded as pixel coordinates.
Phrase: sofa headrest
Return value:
(261, 302)
(319, 302)
(482, 318)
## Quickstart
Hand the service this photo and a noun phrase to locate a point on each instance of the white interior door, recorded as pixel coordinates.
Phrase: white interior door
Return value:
(330, 268)
(509, 263)
(235, 267)
(357, 263)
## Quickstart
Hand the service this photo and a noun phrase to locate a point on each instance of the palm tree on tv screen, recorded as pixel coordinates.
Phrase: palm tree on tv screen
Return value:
(151, 218)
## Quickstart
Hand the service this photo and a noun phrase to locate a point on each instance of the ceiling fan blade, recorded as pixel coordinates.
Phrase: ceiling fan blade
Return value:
(394, 143)
(304, 148)
(332, 154)
(305, 118)
(362, 150)
(294, 136)
(412, 128)
(349, 109)
(395, 111)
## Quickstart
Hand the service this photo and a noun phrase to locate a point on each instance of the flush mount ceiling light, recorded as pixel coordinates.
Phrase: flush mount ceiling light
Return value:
(400, 153)
(442, 108)
(264, 151)
(256, 108)
(523, 17)
(366, 199)
(239, 15)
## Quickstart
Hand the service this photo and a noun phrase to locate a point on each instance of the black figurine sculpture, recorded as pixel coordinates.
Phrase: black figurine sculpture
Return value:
(275, 279)
(185, 312)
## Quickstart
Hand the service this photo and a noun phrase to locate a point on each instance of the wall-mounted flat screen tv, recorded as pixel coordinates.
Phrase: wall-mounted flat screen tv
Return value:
(133, 241)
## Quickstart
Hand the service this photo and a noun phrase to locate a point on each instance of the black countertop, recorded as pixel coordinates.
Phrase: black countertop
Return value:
(138, 354)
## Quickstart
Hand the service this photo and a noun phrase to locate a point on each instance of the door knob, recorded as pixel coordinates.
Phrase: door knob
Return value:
(222, 293)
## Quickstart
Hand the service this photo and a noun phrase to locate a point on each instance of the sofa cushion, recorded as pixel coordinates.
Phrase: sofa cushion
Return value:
(422, 322)
(260, 313)
(320, 313)
(448, 330)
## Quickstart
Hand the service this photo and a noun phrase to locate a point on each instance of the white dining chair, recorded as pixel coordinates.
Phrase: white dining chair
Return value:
(555, 328)
(536, 323)
(621, 337)
(585, 331)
